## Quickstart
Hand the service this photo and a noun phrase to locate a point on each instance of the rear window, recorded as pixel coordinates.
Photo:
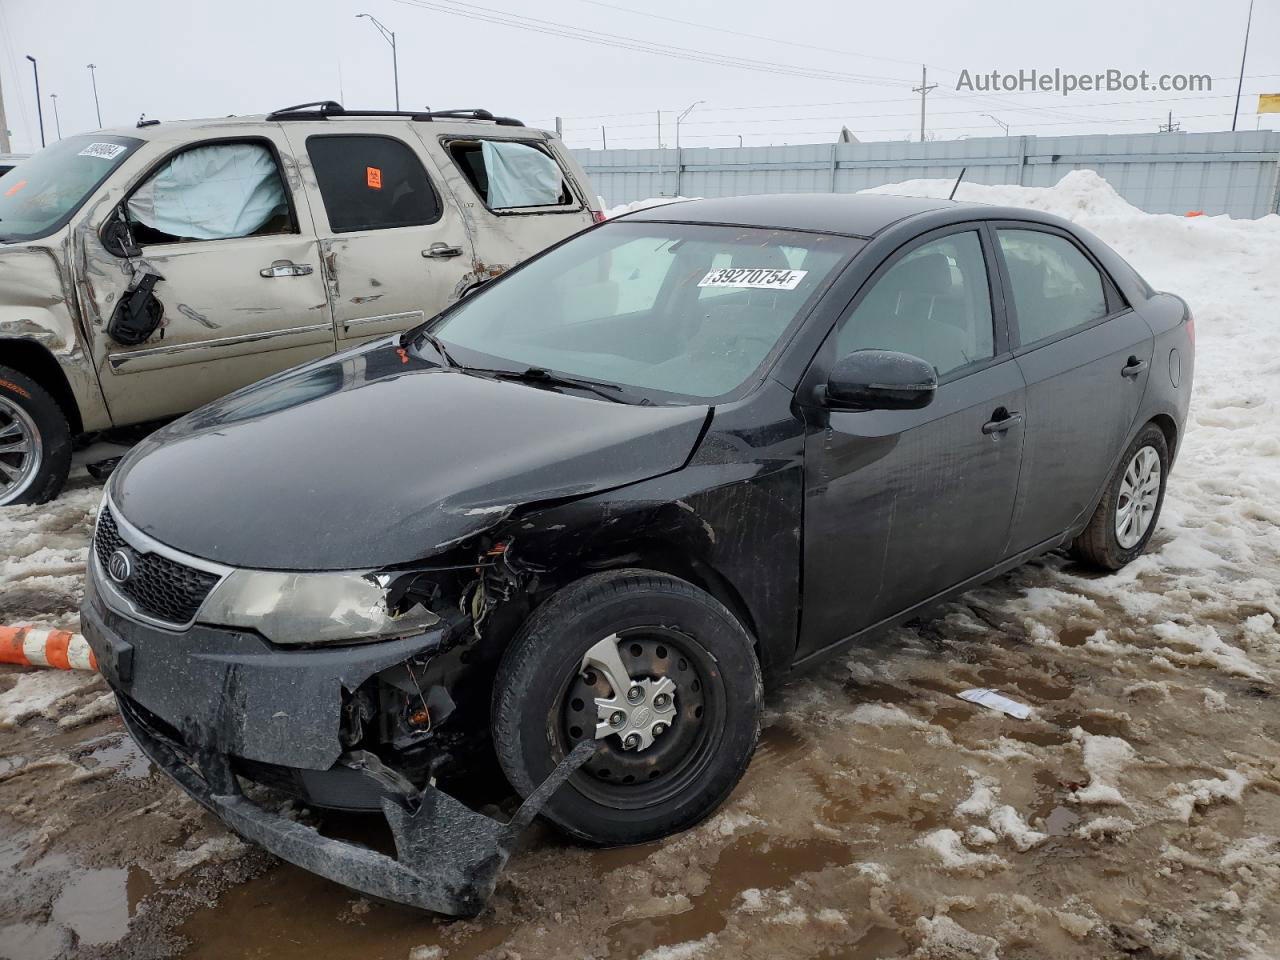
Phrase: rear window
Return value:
(371, 183)
(510, 175)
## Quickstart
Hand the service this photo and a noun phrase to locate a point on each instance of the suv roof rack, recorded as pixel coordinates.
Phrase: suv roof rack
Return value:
(325, 109)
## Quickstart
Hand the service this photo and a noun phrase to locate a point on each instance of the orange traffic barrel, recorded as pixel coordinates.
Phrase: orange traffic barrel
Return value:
(40, 647)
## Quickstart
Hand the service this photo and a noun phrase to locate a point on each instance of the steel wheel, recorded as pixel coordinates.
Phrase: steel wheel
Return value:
(21, 451)
(641, 692)
(1139, 497)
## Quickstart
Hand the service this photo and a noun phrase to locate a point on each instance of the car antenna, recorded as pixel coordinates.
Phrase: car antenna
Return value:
(956, 185)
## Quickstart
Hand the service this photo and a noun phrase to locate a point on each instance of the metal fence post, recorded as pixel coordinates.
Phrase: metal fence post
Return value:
(832, 173)
(679, 170)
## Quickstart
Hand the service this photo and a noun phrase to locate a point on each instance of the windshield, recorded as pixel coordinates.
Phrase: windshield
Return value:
(39, 195)
(690, 310)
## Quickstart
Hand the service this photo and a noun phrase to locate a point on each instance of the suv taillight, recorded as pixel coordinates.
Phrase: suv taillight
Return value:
(598, 216)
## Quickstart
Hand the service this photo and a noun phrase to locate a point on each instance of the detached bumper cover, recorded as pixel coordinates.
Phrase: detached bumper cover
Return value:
(196, 700)
(448, 856)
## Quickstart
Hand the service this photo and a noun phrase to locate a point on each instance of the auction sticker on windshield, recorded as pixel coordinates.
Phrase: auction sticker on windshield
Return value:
(758, 278)
(103, 151)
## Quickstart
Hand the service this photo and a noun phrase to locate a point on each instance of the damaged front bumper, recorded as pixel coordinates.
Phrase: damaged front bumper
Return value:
(202, 702)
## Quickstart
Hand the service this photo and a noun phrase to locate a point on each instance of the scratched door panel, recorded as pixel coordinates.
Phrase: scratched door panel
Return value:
(903, 504)
(362, 179)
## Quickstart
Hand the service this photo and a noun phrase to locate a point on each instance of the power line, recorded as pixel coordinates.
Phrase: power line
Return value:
(619, 41)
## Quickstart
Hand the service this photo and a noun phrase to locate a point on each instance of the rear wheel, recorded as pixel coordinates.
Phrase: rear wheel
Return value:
(657, 671)
(35, 441)
(1126, 517)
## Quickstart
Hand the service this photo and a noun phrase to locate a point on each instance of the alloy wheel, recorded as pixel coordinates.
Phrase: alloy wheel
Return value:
(20, 451)
(1139, 497)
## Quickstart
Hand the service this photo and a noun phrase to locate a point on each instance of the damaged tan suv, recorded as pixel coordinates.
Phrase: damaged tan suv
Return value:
(146, 272)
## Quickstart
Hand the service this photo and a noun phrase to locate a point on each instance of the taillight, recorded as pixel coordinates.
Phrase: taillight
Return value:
(1191, 330)
(598, 216)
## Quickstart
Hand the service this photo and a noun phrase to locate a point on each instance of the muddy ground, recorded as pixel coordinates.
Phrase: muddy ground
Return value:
(1136, 814)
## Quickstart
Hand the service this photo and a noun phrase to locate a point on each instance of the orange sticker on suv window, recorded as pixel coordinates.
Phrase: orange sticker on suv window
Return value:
(15, 188)
(374, 175)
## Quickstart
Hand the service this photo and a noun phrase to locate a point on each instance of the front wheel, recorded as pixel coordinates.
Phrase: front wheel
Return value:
(35, 441)
(656, 670)
(1126, 517)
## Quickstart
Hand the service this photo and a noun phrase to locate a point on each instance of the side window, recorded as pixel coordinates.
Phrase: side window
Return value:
(934, 303)
(371, 183)
(215, 192)
(1055, 287)
(509, 175)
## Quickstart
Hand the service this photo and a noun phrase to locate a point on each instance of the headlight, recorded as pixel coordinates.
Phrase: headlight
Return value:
(298, 608)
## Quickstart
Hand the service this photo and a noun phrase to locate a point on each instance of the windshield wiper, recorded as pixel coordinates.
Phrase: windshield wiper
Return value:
(540, 375)
(440, 348)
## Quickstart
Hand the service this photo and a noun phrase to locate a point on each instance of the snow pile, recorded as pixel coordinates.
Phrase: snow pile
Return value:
(39, 693)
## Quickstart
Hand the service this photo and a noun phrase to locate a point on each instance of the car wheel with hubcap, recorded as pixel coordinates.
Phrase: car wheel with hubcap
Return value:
(660, 674)
(35, 441)
(1126, 517)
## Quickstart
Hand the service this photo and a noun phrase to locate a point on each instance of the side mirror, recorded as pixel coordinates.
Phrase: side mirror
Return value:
(117, 237)
(881, 380)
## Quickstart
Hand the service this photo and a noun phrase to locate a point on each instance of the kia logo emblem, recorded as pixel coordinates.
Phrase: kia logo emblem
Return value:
(120, 566)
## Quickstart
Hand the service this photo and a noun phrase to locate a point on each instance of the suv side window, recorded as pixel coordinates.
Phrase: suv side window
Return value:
(218, 191)
(934, 303)
(1055, 287)
(510, 175)
(371, 183)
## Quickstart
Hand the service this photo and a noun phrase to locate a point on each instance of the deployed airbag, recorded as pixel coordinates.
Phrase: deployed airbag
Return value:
(211, 193)
(520, 175)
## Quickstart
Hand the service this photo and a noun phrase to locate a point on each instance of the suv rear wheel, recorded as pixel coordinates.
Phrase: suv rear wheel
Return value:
(35, 441)
(656, 670)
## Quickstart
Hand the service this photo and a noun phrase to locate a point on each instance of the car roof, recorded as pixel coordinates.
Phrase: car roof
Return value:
(180, 130)
(852, 214)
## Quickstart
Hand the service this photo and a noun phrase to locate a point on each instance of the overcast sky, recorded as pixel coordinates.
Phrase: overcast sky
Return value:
(189, 58)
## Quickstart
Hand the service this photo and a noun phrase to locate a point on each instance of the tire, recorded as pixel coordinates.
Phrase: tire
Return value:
(1099, 544)
(32, 420)
(666, 628)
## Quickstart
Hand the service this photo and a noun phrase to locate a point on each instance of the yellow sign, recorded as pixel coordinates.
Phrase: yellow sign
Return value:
(1269, 103)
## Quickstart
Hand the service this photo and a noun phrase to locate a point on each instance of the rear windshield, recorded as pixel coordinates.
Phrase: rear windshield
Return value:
(666, 311)
(41, 194)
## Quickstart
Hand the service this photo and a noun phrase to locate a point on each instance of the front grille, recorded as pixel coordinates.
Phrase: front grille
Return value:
(160, 587)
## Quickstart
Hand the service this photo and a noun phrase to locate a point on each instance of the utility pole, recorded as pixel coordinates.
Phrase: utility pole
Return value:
(659, 129)
(39, 106)
(1170, 126)
(559, 128)
(604, 141)
(93, 78)
(1245, 53)
(57, 124)
(390, 37)
(923, 90)
(5, 145)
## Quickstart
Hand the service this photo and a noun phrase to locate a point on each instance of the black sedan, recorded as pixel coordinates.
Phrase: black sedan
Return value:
(579, 518)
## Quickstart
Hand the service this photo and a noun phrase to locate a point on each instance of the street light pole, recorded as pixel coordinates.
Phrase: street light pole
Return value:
(680, 119)
(390, 37)
(39, 106)
(57, 124)
(93, 77)
(991, 116)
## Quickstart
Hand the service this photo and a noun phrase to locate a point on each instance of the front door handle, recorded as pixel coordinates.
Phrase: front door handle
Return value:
(285, 268)
(442, 251)
(1001, 421)
(1133, 368)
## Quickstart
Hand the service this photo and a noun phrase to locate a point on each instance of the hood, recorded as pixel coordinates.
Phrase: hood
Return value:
(376, 457)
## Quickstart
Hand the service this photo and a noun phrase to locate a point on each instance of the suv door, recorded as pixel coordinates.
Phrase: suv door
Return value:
(520, 195)
(1085, 355)
(903, 504)
(242, 289)
(395, 250)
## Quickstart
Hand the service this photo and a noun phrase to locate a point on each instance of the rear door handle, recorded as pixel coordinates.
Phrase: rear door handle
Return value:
(442, 251)
(1001, 421)
(285, 268)
(1133, 367)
